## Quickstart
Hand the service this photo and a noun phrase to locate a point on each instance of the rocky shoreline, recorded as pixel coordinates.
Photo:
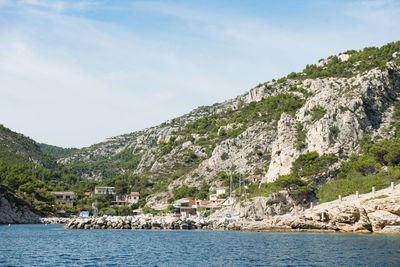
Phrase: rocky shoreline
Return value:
(377, 212)
(342, 223)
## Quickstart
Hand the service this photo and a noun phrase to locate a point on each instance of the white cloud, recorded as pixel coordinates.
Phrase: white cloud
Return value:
(72, 81)
(57, 6)
(379, 14)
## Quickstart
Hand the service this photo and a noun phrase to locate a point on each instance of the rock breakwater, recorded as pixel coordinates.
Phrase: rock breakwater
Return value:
(151, 222)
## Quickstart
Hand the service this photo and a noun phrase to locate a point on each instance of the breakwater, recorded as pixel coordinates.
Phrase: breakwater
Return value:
(152, 222)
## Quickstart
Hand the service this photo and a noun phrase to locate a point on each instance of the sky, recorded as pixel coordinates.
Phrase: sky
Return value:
(73, 73)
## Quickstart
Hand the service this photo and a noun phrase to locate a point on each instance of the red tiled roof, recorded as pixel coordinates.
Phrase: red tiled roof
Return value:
(87, 193)
(135, 193)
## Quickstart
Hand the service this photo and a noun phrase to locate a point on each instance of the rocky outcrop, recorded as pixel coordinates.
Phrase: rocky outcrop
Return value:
(11, 212)
(373, 212)
(262, 208)
(349, 109)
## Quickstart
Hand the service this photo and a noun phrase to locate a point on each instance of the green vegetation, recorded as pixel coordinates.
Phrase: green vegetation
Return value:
(190, 157)
(362, 184)
(148, 210)
(359, 61)
(203, 192)
(29, 176)
(216, 128)
(268, 110)
(334, 132)
(296, 187)
(311, 163)
(224, 156)
(185, 191)
(301, 137)
(363, 171)
(108, 167)
(294, 88)
(29, 181)
(317, 112)
(15, 147)
(29, 169)
(56, 152)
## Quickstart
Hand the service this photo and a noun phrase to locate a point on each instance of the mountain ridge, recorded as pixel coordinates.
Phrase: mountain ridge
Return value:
(297, 133)
(327, 108)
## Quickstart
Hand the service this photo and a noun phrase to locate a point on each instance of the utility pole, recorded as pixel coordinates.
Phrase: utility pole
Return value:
(95, 209)
(244, 185)
(240, 177)
(240, 183)
(230, 187)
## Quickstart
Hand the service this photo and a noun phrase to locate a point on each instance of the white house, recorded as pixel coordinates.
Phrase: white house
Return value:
(213, 196)
(133, 198)
(221, 191)
(104, 190)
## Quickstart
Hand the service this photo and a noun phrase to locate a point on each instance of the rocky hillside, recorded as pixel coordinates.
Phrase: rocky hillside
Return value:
(16, 147)
(12, 210)
(27, 176)
(326, 109)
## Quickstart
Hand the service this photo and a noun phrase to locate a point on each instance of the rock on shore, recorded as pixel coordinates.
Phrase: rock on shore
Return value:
(373, 212)
(11, 212)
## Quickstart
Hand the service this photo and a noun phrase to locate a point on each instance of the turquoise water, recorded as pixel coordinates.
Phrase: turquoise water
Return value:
(32, 245)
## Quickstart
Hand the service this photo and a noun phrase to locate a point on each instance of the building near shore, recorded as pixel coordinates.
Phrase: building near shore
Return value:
(64, 198)
(185, 207)
(119, 201)
(104, 190)
(218, 192)
(133, 198)
(221, 190)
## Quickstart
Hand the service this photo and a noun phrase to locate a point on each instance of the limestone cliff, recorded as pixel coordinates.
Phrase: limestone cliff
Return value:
(12, 212)
(261, 132)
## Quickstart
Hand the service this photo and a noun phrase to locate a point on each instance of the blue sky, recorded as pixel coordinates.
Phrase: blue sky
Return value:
(75, 72)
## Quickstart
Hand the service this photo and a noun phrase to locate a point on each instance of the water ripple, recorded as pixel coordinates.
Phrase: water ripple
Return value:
(39, 245)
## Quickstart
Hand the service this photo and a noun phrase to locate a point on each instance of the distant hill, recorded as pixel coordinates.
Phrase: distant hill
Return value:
(15, 147)
(29, 175)
(56, 152)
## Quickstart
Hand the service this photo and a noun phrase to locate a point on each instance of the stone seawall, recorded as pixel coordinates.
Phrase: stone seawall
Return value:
(151, 222)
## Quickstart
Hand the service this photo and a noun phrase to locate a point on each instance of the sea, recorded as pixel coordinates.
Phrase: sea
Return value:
(51, 245)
